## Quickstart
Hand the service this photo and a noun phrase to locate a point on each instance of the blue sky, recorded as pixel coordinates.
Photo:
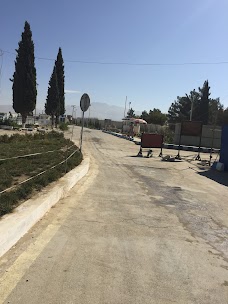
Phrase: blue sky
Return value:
(146, 31)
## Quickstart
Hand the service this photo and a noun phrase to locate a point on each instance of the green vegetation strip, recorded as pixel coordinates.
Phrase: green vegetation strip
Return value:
(38, 170)
(29, 155)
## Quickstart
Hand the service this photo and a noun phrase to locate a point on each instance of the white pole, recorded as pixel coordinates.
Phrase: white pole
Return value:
(125, 107)
(129, 105)
(72, 122)
(192, 103)
(83, 114)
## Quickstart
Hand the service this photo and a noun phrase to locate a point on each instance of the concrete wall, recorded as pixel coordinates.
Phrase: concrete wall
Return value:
(114, 124)
(151, 128)
(6, 127)
(207, 137)
(29, 120)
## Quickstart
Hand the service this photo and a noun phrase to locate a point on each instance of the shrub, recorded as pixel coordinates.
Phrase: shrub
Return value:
(63, 126)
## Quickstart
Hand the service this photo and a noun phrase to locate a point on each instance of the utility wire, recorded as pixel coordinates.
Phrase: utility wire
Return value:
(130, 63)
(34, 176)
(1, 64)
(33, 154)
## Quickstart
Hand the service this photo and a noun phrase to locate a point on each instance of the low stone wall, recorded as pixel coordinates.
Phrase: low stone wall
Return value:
(6, 127)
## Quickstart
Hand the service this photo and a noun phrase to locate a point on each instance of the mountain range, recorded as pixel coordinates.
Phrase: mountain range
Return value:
(97, 110)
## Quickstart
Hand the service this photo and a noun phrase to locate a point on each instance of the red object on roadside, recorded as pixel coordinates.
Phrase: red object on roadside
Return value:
(150, 140)
(191, 128)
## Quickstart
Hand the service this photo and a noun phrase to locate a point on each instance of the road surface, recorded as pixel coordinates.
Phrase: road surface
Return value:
(134, 230)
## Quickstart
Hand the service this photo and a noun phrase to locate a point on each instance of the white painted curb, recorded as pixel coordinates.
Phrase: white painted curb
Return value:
(13, 226)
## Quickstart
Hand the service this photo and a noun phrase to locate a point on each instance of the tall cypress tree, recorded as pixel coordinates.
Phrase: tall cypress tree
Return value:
(59, 64)
(24, 77)
(52, 101)
(204, 103)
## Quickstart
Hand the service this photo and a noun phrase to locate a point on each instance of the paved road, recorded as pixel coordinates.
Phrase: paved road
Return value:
(135, 230)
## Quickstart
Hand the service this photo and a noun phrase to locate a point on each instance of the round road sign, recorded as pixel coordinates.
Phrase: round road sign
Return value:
(84, 102)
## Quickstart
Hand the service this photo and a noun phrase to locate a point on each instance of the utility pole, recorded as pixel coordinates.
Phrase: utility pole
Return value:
(191, 98)
(75, 115)
(35, 105)
(72, 122)
(125, 107)
(129, 105)
(73, 107)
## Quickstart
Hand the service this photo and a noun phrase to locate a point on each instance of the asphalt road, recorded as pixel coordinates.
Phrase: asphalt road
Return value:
(134, 230)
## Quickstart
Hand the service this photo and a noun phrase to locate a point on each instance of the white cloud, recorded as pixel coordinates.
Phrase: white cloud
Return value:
(72, 91)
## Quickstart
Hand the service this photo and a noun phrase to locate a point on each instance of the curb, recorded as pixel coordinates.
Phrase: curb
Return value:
(13, 226)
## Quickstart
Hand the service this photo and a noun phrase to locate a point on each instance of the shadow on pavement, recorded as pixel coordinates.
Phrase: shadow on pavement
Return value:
(219, 177)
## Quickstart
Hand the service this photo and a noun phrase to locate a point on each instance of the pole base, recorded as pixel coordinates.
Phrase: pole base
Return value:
(198, 157)
(140, 153)
(178, 156)
(150, 153)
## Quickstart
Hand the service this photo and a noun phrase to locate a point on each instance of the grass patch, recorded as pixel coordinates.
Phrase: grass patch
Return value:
(14, 171)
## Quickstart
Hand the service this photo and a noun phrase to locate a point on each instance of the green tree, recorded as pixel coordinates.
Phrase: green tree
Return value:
(24, 77)
(204, 103)
(52, 101)
(97, 124)
(59, 64)
(216, 112)
(145, 115)
(130, 113)
(205, 109)
(157, 117)
(180, 109)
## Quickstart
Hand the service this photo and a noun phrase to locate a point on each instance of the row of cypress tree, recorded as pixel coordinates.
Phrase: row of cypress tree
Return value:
(55, 103)
(25, 85)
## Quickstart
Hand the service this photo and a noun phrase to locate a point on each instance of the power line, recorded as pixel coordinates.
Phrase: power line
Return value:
(130, 63)
(1, 64)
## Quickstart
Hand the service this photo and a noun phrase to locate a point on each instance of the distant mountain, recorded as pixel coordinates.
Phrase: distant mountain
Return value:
(8, 108)
(97, 110)
(101, 111)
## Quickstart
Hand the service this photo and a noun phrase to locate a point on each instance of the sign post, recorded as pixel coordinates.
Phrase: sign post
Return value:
(190, 128)
(84, 105)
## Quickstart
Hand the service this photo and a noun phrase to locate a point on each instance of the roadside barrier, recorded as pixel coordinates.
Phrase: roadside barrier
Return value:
(33, 154)
(149, 141)
(41, 173)
(171, 146)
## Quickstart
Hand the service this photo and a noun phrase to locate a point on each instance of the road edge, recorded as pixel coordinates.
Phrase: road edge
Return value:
(15, 225)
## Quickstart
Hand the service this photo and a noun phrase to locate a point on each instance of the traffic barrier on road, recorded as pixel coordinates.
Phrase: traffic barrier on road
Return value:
(191, 128)
(171, 146)
(150, 140)
(224, 147)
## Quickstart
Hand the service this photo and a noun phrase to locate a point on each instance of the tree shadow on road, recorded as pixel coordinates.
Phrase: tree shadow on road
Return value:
(219, 177)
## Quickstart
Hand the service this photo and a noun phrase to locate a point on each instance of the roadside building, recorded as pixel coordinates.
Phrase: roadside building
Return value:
(44, 120)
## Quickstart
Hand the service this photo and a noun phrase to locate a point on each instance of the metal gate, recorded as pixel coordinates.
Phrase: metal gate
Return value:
(224, 147)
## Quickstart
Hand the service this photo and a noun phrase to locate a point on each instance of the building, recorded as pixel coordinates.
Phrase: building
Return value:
(44, 120)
